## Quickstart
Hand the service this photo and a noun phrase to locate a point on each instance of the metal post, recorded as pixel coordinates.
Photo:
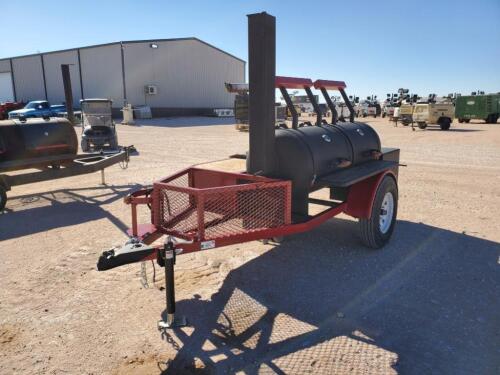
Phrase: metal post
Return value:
(13, 80)
(123, 74)
(68, 93)
(168, 256)
(315, 105)
(44, 78)
(103, 180)
(348, 104)
(291, 107)
(80, 74)
(262, 98)
(329, 103)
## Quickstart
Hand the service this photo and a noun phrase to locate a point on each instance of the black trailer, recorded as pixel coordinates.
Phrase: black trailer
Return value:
(57, 166)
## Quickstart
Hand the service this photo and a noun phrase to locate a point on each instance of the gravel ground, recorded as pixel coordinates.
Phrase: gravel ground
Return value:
(317, 303)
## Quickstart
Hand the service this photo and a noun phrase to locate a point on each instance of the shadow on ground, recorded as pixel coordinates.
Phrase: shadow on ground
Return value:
(35, 213)
(320, 303)
(186, 122)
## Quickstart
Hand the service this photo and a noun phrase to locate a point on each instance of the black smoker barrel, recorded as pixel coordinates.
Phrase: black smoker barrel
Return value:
(35, 138)
(302, 155)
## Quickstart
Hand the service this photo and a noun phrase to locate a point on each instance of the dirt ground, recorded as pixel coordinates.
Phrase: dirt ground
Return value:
(317, 303)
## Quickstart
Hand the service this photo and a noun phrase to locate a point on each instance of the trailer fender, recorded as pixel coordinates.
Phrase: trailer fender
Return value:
(361, 195)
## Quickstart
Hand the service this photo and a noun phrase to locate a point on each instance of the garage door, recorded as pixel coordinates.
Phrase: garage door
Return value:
(6, 93)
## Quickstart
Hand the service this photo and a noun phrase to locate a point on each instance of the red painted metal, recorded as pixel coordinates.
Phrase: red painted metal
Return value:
(293, 82)
(361, 195)
(201, 205)
(329, 85)
(200, 185)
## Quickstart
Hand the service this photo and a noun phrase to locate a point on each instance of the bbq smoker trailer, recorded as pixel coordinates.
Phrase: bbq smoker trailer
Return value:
(50, 147)
(200, 209)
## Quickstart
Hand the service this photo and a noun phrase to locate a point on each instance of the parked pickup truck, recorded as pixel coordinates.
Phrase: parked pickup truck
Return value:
(38, 108)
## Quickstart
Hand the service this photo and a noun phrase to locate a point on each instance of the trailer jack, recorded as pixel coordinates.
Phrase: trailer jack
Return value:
(135, 251)
(167, 256)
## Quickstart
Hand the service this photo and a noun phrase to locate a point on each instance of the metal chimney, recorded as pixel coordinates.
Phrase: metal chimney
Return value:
(261, 75)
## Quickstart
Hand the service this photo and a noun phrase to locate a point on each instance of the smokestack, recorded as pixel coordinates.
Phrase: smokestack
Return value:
(68, 93)
(261, 76)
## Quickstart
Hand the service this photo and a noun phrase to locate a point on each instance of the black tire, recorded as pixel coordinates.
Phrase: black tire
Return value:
(467, 120)
(113, 143)
(85, 145)
(422, 125)
(445, 124)
(371, 233)
(461, 120)
(3, 198)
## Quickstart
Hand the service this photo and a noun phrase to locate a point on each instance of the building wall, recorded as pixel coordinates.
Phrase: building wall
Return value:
(102, 73)
(4, 66)
(53, 76)
(28, 77)
(187, 73)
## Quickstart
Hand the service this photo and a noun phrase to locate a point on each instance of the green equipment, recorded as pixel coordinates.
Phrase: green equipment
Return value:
(478, 107)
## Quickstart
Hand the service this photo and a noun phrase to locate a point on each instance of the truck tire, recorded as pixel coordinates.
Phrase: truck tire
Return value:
(3, 198)
(376, 230)
(422, 125)
(461, 120)
(113, 143)
(492, 119)
(467, 120)
(85, 145)
(445, 123)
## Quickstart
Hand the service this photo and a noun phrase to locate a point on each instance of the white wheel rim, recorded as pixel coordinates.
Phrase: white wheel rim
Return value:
(386, 213)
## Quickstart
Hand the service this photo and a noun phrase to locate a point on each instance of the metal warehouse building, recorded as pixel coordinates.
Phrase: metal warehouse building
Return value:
(172, 76)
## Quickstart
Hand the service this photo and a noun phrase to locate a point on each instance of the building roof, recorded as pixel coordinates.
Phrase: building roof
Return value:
(125, 42)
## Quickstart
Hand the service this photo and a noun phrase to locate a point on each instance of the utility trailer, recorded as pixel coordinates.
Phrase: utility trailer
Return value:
(478, 107)
(57, 166)
(197, 209)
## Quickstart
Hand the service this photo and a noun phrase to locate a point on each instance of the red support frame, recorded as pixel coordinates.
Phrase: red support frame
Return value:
(358, 204)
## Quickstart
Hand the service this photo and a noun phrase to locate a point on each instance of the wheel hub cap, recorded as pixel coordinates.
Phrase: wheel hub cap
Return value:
(386, 213)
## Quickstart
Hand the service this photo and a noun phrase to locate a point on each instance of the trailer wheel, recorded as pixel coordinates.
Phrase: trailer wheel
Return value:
(422, 125)
(377, 229)
(445, 123)
(3, 198)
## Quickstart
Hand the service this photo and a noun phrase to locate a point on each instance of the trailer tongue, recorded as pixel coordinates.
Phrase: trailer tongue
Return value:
(200, 209)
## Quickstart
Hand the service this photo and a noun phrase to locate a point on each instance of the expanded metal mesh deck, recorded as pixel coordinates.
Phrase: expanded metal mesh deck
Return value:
(198, 204)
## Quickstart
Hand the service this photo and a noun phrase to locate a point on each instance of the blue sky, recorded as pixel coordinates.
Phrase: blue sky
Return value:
(428, 46)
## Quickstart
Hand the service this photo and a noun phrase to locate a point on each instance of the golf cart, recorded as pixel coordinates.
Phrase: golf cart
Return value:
(98, 128)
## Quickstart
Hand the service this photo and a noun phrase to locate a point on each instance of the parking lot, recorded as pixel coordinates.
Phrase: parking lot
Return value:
(317, 303)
